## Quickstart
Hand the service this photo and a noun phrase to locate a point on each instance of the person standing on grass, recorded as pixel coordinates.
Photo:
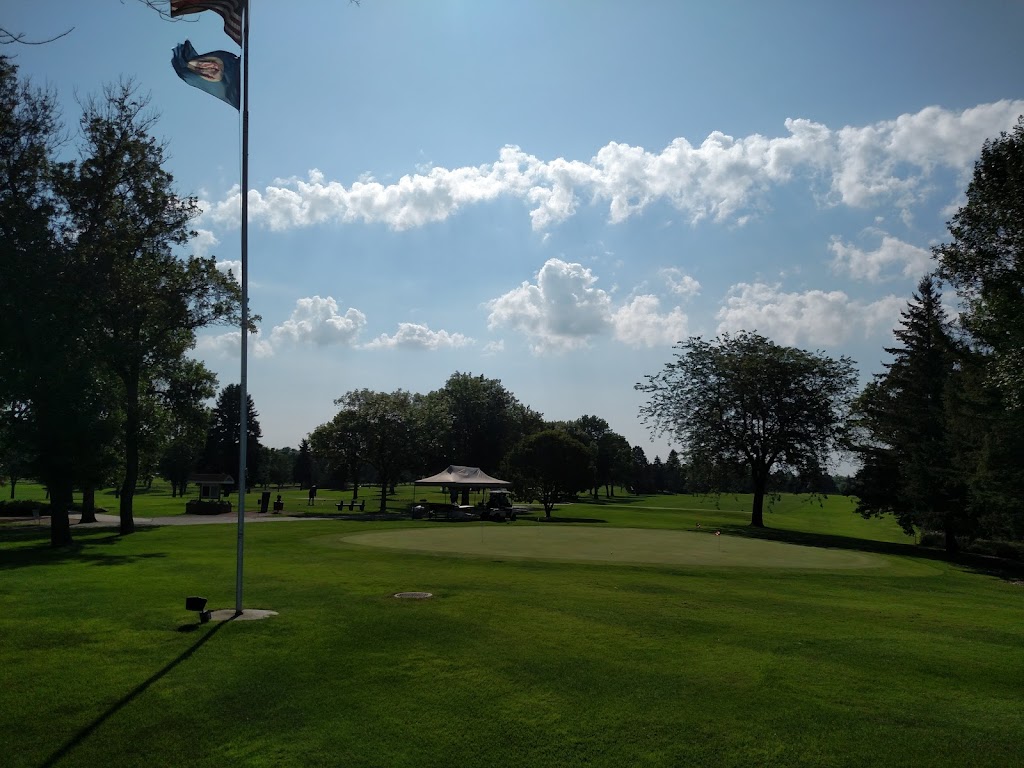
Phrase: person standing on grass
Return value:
(312, 496)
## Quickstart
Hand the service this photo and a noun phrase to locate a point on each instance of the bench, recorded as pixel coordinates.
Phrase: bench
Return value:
(351, 506)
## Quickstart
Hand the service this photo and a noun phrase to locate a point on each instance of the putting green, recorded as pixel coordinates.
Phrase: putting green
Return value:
(620, 545)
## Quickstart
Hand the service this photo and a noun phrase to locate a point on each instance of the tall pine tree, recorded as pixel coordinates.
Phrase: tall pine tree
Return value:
(903, 427)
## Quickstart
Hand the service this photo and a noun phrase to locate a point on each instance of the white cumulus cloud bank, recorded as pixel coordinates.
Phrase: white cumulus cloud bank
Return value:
(811, 317)
(415, 336)
(724, 178)
(642, 323)
(228, 345)
(316, 320)
(566, 310)
(892, 255)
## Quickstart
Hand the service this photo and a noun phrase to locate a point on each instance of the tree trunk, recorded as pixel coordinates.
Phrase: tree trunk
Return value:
(131, 452)
(952, 545)
(60, 524)
(760, 484)
(14, 482)
(383, 494)
(89, 505)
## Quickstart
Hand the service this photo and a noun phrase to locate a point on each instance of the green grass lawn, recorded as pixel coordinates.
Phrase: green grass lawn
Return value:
(515, 661)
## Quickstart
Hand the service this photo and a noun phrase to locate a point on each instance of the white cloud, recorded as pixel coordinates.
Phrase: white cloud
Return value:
(228, 345)
(204, 242)
(812, 317)
(680, 283)
(235, 267)
(316, 320)
(640, 323)
(413, 336)
(494, 347)
(891, 255)
(562, 311)
(723, 178)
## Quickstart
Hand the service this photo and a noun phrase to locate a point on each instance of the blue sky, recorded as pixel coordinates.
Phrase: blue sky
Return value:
(552, 192)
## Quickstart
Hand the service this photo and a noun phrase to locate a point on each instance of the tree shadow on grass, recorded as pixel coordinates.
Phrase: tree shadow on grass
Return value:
(128, 698)
(983, 564)
(87, 548)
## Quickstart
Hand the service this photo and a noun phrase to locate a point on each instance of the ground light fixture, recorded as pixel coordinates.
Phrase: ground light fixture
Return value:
(198, 604)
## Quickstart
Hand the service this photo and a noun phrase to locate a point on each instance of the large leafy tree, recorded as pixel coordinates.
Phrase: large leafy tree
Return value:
(183, 395)
(745, 400)
(47, 374)
(382, 426)
(484, 420)
(589, 430)
(984, 260)
(903, 417)
(614, 461)
(547, 465)
(125, 221)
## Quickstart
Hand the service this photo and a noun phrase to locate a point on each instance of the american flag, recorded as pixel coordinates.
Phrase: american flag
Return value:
(229, 10)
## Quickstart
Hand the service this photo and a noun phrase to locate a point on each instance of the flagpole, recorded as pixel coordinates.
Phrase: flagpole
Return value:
(243, 386)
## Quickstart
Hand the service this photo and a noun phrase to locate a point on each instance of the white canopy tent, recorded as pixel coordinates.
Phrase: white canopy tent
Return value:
(464, 477)
(464, 480)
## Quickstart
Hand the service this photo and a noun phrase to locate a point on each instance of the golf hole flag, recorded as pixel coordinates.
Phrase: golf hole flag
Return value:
(229, 10)
(215, 72)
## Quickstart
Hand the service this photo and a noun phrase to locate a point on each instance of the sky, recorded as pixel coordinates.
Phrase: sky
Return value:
(554, 192)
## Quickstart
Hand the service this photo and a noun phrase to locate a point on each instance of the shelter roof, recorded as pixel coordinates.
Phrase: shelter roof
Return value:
(461, 476)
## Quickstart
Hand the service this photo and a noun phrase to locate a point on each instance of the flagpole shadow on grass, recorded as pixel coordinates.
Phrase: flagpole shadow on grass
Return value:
(88, 730)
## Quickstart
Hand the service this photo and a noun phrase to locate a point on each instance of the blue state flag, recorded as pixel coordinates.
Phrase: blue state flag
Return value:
(216, 72)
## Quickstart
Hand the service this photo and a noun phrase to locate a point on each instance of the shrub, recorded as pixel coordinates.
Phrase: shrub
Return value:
(22, 507)
(1008, 550)
(201, 507)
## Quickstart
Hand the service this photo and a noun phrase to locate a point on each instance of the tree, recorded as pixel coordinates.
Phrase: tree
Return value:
(276, 466)
(614, 461)
(15, 457)
(183, 397)
(124, 222)
(302, 472)
(382, 426)
(984, 260)
(745, 400)
(548, 465)
(675, 473)
(908, 464)
(46, 371)
(484, 420)
(336, 449)
(589, 430)
(639, 471)
(224, 438)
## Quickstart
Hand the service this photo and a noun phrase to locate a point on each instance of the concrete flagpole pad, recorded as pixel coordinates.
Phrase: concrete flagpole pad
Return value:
(247, 614)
